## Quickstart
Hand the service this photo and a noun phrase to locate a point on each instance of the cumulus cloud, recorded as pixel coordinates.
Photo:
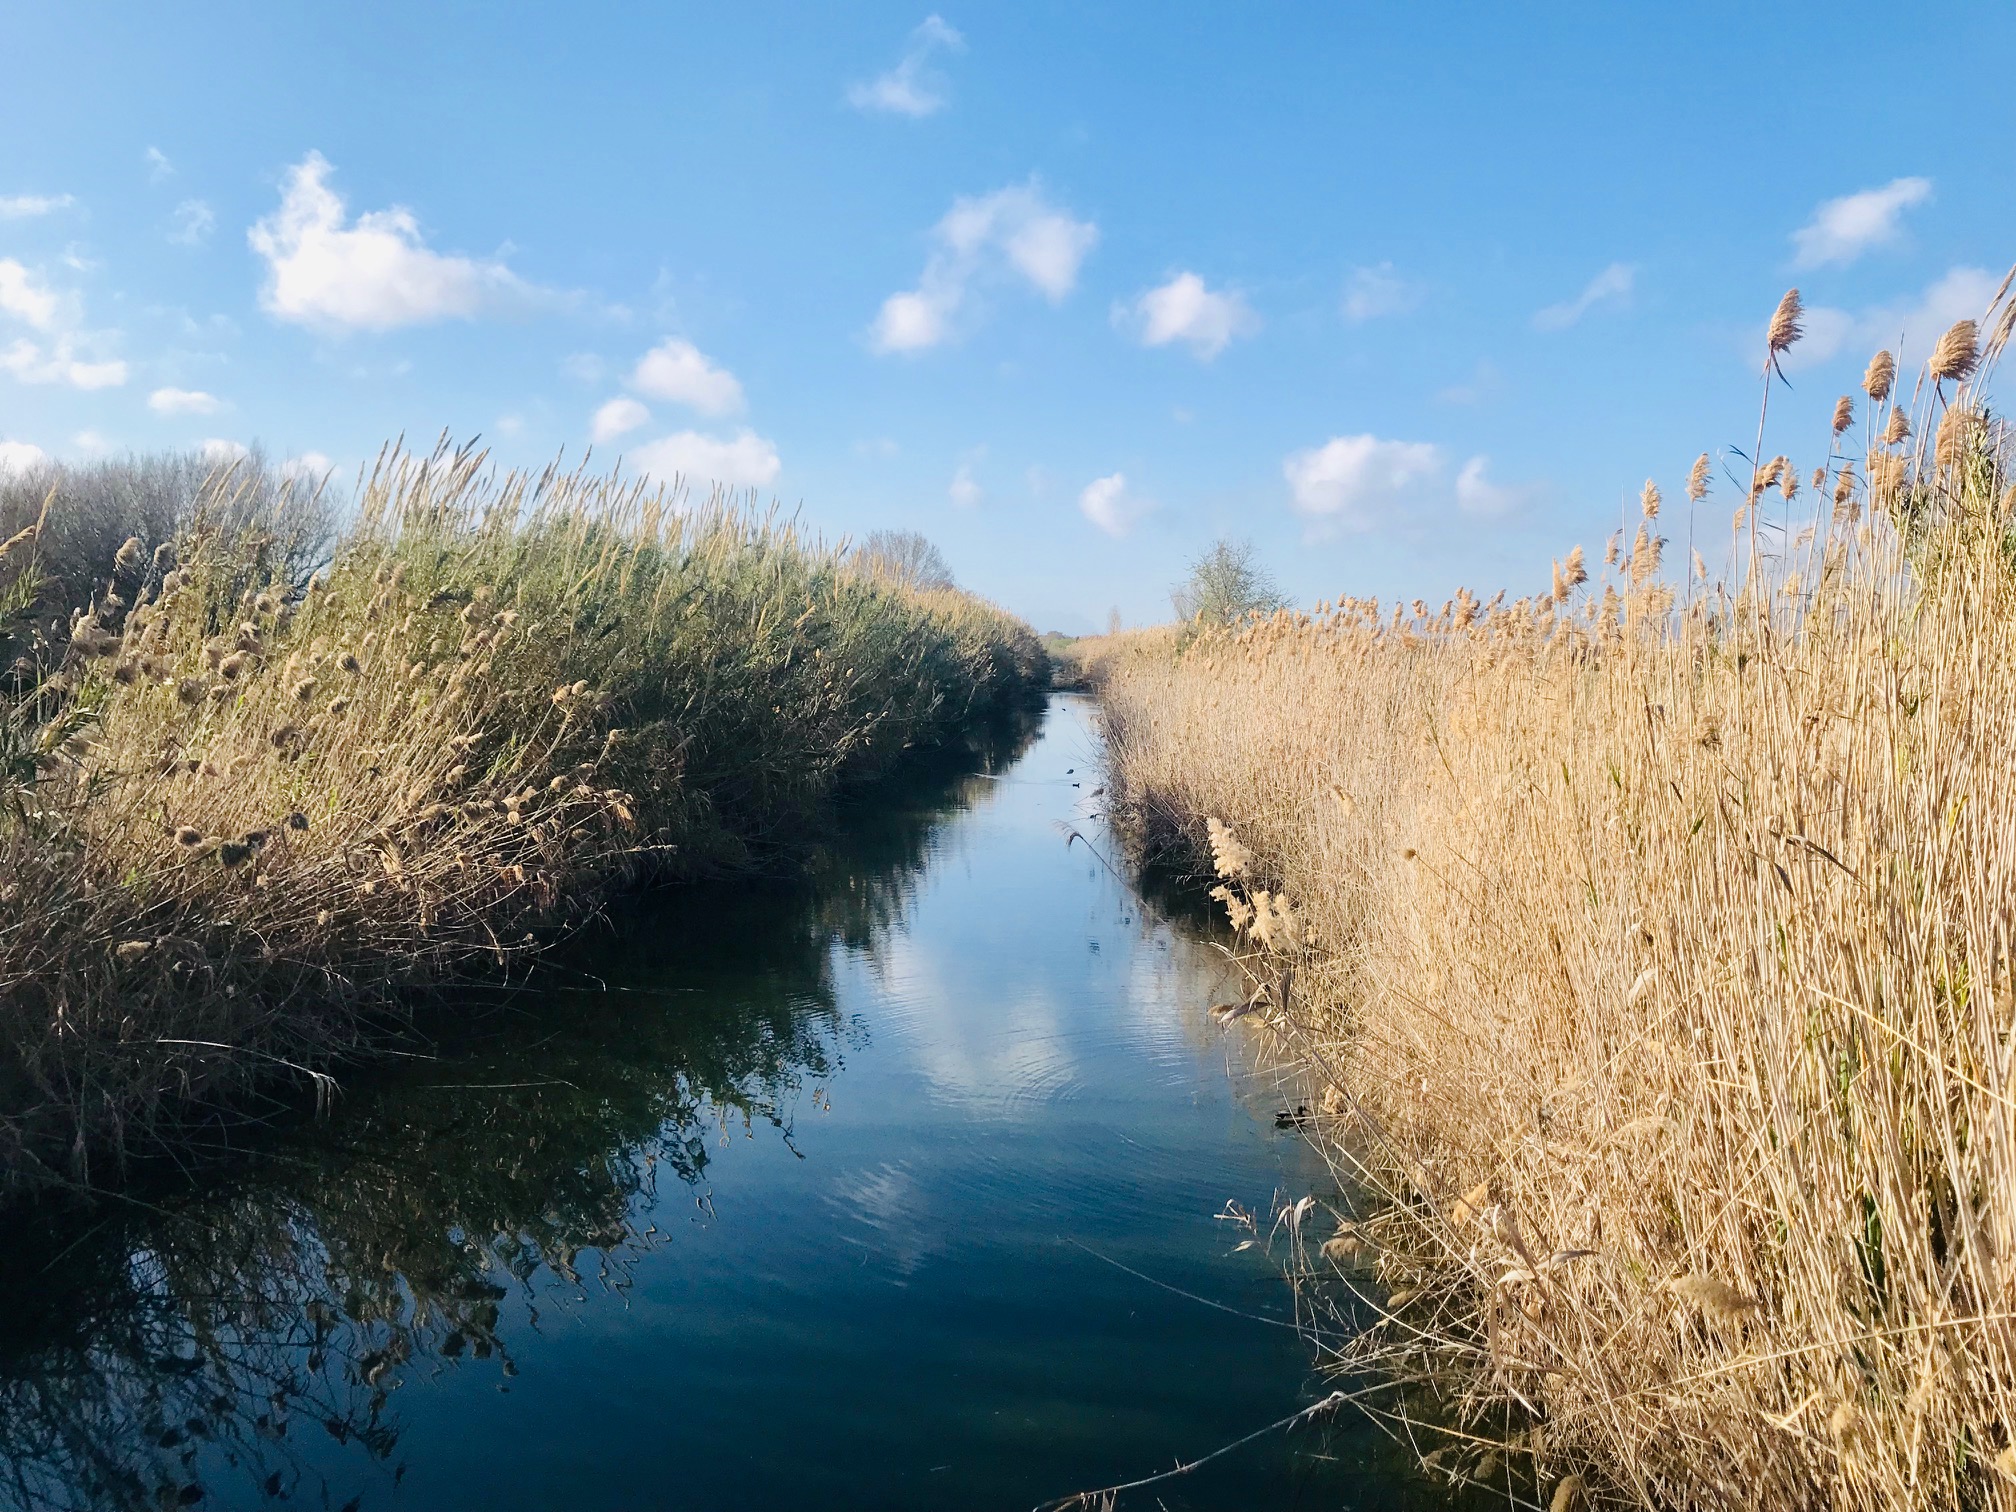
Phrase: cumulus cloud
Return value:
(1359, 483)
(677, 371)
(1908, 326)
(28, 206)
(618, 417)
(1108, 503)
(1611, 287)
(965, 492)
(1843, 229)
(217, 451)
(59, 353)
(1354, 481)
(192, 223)
(1185, 310)
(1372, 292)
(912, 88)
(180, 401)
(375, 274)
(744, 460)
(20, 456)
(1013, 235)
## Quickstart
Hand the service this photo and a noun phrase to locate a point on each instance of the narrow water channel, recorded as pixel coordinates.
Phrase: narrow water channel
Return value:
(807, 1196)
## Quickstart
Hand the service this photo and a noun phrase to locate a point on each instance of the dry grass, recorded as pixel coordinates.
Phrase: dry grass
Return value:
(1652, 948)
(244, 814)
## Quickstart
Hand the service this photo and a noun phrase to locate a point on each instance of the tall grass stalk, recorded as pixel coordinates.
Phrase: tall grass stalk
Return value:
(1655, 964)
(246, 810)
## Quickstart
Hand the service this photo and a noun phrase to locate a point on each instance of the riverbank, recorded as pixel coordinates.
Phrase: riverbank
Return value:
(1650, 948)
(252, 813)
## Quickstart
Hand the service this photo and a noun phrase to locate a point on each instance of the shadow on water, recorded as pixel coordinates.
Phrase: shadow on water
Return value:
(176, 1341)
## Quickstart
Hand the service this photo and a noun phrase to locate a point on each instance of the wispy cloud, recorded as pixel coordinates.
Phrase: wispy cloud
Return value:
(1109, 504)
(677, 371)
(1185, 310)
(192, 223)
(1014, 234)
(59, 352)
(181, 401)
(28, 206)
(1612, 287)
(965, 491)
(1372, 292)
(158, 166)
(377, 274)
(1843, 229)
(1906, 326)
(912, 88)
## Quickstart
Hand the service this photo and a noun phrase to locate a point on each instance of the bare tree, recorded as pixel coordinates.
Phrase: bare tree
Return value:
(1225, 584)
(906, 556)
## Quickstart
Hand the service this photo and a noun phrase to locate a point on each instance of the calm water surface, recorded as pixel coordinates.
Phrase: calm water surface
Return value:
(799, 1200)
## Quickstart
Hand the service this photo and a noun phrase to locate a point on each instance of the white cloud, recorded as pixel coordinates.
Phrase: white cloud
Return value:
(1612, 286)
(26, 297)
(95, 443)
(1843, 229)
(679, 373)
(192, 223)
(584, 367)
(1185, 310)
(1484, 381)
(912, 88)
(1012, 233)
(178, 401)
(309, 467)
(59, 363)
(374, 275)
(745, 460)
(1372, 292)
(965, 492)
(1480, 498)
(618, 417)
(217, 451)
(1353, 480)
(1107, 503)
(1908, 327)
(158, 166)
(27, 206)
(20, 456)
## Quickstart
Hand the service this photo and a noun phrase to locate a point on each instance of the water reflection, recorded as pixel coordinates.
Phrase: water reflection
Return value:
(209, 1338)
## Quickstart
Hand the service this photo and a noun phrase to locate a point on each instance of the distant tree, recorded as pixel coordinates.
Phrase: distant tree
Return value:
(1225, 583)
(1113, 621)
(907, 557)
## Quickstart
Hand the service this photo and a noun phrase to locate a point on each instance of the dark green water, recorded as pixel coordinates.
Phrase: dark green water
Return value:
(799, 1201)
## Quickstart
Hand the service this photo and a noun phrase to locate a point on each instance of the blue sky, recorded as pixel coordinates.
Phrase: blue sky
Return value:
(1412, 296)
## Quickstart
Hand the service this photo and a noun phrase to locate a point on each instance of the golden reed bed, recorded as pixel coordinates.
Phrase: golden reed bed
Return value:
(1650, 942)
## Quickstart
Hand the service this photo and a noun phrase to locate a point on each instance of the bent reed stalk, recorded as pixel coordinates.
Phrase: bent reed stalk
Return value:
(1651, 953)
(246, 811)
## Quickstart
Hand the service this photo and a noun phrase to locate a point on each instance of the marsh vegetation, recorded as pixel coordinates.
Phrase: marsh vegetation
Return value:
(1647, 940)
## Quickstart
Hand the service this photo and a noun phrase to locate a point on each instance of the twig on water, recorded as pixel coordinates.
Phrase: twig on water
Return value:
(1105, 1495)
